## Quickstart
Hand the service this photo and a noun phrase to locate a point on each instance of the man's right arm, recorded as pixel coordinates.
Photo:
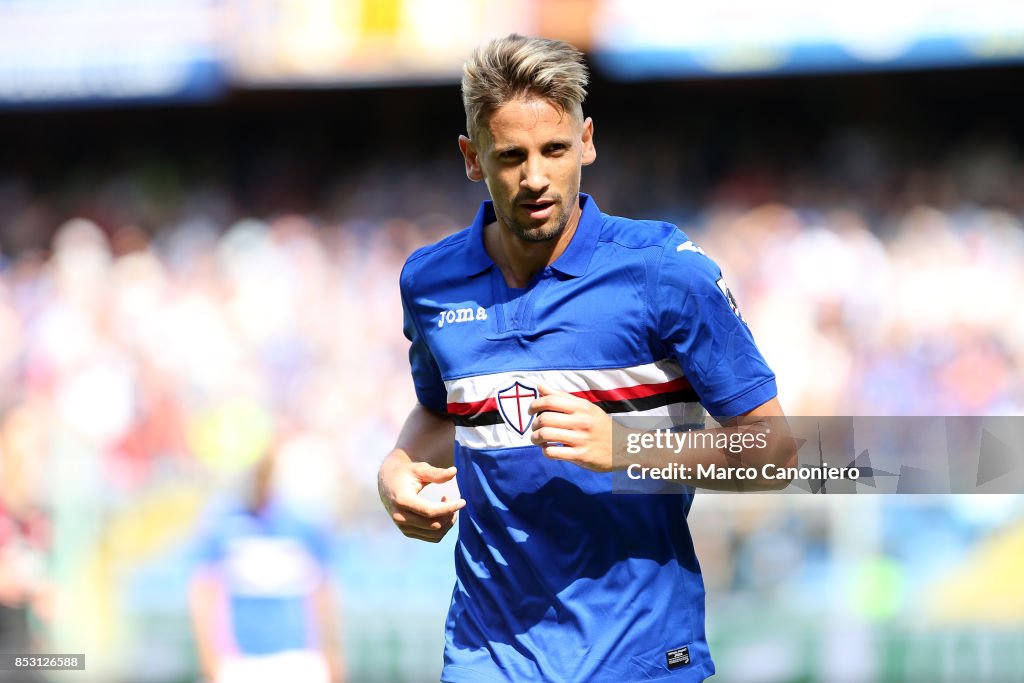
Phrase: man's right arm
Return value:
(422, 455)
(204, 598)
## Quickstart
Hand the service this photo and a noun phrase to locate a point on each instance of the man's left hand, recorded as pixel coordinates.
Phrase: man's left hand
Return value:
(573, 429)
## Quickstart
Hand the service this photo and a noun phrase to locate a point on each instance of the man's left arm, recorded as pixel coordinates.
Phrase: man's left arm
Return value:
(695, 319)
(327, 610)
(573, 429)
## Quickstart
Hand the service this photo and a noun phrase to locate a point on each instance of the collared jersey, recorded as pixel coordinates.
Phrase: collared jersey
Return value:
(269, 565)
(557, 577)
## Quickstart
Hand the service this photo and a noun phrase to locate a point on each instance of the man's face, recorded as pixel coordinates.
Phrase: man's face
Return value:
(531, 156)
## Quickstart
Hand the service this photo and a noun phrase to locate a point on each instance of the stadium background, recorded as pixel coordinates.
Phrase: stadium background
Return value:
(204, 207)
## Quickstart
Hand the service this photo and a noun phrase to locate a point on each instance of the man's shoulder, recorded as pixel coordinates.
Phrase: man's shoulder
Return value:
(669, 251)
(447, 251)
(630, 233)
(443, 248)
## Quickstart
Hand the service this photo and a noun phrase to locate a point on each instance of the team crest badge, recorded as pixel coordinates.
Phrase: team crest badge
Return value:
(514, 405)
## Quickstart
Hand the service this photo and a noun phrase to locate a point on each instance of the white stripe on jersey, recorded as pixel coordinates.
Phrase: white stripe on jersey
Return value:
(493, 436)
(482, 387)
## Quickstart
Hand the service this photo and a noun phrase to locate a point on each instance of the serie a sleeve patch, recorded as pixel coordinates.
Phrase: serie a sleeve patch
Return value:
(677, 657)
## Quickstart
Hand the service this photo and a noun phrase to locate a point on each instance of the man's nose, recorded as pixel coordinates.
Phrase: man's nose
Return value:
(535, 177)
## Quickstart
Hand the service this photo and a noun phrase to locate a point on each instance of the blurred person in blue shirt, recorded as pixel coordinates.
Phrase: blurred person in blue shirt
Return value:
(261, 600)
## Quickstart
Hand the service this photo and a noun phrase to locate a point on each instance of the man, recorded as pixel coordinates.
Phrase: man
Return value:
(261, 601)
(527, 330)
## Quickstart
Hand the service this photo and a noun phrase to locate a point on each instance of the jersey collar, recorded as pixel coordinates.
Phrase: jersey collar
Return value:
(573, 261)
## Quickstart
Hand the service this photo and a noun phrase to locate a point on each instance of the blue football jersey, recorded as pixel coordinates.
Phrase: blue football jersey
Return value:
(557, 578)
(269, 564)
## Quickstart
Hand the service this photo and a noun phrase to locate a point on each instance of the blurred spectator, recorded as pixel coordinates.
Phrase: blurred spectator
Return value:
(24, 541)
(262, 605)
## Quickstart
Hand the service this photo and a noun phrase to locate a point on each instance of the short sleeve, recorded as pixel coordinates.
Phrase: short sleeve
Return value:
(208, 548)
(699, 324)
(426, 376)
(318, 542)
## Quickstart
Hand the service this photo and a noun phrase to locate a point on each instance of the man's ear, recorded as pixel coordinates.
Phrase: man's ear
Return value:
(474, 171)
(589, 151)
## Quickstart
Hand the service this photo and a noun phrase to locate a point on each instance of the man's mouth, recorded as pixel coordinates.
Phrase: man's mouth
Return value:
(539, 209)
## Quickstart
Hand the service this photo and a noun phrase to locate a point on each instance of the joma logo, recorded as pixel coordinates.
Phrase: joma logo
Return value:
(461, 315)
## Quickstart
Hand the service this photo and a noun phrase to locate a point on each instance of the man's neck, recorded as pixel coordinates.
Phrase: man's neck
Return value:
(519, 260)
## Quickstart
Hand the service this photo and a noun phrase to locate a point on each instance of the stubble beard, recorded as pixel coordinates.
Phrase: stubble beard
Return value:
(544, 232)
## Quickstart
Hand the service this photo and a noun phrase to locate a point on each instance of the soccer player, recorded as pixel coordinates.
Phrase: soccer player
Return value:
(260, 599)
(527, 330)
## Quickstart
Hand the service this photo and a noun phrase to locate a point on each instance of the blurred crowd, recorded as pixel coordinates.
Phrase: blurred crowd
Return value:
(177, 325)
(158, 322)
(155, 329)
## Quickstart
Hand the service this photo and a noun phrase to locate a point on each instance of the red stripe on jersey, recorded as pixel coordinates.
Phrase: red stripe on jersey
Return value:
(473, 408)
(638, 391)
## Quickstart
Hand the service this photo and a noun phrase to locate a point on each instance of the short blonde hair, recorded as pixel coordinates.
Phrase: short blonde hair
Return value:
(517, 66)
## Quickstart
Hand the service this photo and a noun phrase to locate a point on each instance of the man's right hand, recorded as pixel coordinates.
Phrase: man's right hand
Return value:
(400, 482)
